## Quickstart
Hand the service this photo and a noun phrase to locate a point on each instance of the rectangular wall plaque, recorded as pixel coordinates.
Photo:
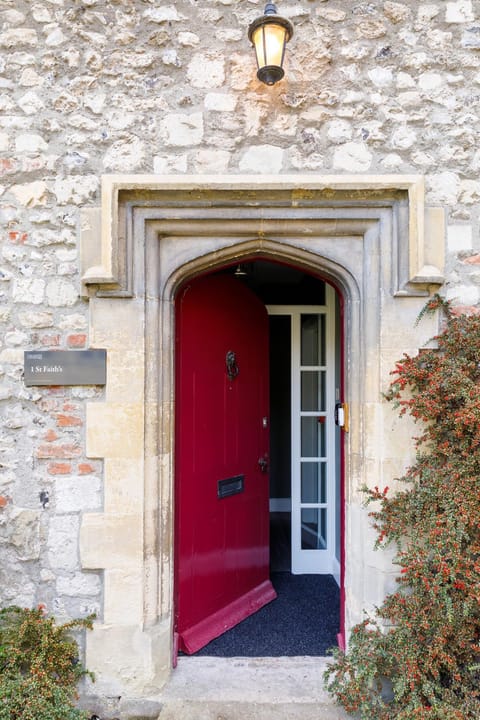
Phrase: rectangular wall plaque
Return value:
(65, 367)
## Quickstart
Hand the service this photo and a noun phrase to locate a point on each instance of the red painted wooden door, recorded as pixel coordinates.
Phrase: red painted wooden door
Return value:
(222, 491)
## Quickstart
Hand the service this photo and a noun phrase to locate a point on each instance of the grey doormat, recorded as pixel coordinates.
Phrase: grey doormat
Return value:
(303, 620)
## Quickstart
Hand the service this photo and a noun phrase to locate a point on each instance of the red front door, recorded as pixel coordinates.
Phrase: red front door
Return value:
(222, 431)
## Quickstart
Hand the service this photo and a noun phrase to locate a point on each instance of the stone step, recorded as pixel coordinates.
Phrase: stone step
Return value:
(207, 688)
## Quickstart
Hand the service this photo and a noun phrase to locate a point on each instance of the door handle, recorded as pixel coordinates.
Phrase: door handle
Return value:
(263, 463)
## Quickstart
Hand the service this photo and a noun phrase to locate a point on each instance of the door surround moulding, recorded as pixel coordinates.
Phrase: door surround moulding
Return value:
(365, 234)
(421, 257)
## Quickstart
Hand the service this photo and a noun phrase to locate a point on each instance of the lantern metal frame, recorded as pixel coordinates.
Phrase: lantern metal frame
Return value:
(270, 74)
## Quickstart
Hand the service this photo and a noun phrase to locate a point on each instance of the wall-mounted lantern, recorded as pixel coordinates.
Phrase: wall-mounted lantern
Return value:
(269, 35)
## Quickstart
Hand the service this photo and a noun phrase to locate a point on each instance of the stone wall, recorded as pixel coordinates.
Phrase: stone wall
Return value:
(89, 87)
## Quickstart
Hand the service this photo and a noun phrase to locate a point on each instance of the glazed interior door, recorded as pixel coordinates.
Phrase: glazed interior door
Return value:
(314, 495)
(313, 439)
(222, 487)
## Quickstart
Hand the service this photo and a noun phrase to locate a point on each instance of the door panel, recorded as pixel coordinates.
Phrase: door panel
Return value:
(222, 513)
(314, 504)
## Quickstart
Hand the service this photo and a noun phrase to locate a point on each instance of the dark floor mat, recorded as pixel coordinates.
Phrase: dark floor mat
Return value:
(303, 620)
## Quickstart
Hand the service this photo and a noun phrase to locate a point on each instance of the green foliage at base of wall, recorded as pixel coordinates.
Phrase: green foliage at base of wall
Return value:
(39, 666)
(418, 658)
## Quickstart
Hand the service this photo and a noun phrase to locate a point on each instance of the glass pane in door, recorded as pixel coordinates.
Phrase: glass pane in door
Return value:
(312, 440)
(312, 333)
(314, 528)
(312, 391)
(313, 482)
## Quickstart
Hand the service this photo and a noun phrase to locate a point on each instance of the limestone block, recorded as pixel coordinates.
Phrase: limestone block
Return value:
(430, 80)
(20, 527)
(212, 161)
(332, 14)
(13, 356)
(62, 542)
(262, 159)
(459, 237)
(463, 294)
(381, 77)
(181, 129)
(206, 71)
(471, 38)
(162, 15)
(30, 103)
(221, 102)
(125, 155)
(376, 585)
(459, 12)
(73, 321)
(75, 190)
(125, 375)
(61, 293)
(15, 37)
(114, 430)
(55, 38)
(373, 423)
(169, 165)
(30, 143)
(79, 585)
(15, 338)
(122, 660)
(28, 290)
(443, 188)
(77, 493)
(427, 12)
(123, 604)
(188, 39)
(470, 192)
(30, 78)
(352, 157)
(30, 194)
(396, 12)
(123, 485)
(111, 541)
(403, 138)
(434, 242)
(339, 131)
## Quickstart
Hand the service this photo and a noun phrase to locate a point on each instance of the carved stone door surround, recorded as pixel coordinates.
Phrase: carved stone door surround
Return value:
(370, 236)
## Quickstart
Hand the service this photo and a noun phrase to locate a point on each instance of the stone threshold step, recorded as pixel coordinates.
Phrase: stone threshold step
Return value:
(250, 711)
(208, 688)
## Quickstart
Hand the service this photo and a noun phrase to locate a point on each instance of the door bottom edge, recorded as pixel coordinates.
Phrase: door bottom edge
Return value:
(197, 636)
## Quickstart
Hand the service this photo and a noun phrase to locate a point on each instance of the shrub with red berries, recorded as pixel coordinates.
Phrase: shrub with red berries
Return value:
(39, 666)
(419, 656)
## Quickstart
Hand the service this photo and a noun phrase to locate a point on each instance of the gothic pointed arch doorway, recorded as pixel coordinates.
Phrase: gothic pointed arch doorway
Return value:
(366, 236)
(241, 468)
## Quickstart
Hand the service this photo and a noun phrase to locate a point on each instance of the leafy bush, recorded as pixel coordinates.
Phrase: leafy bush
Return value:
(419, 657)
(39, 666)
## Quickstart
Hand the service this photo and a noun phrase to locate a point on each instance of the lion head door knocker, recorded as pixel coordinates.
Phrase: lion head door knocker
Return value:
(231, 363)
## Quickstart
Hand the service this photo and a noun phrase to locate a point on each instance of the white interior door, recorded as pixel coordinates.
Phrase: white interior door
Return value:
(313, 471)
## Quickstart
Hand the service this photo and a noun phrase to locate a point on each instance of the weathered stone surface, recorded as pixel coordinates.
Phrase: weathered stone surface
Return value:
(90, 87)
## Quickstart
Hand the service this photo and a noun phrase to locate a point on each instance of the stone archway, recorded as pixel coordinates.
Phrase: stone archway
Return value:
(365, 235)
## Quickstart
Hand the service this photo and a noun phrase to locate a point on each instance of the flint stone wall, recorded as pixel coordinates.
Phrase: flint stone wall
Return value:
(90, 87)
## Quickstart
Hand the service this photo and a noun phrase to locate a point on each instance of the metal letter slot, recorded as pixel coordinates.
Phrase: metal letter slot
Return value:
(230, 486)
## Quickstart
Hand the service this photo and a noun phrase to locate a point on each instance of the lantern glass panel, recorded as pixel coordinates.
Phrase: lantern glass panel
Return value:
(269, 42)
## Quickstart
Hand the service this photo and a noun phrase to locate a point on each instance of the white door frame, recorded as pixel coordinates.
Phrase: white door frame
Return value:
(320, 560)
